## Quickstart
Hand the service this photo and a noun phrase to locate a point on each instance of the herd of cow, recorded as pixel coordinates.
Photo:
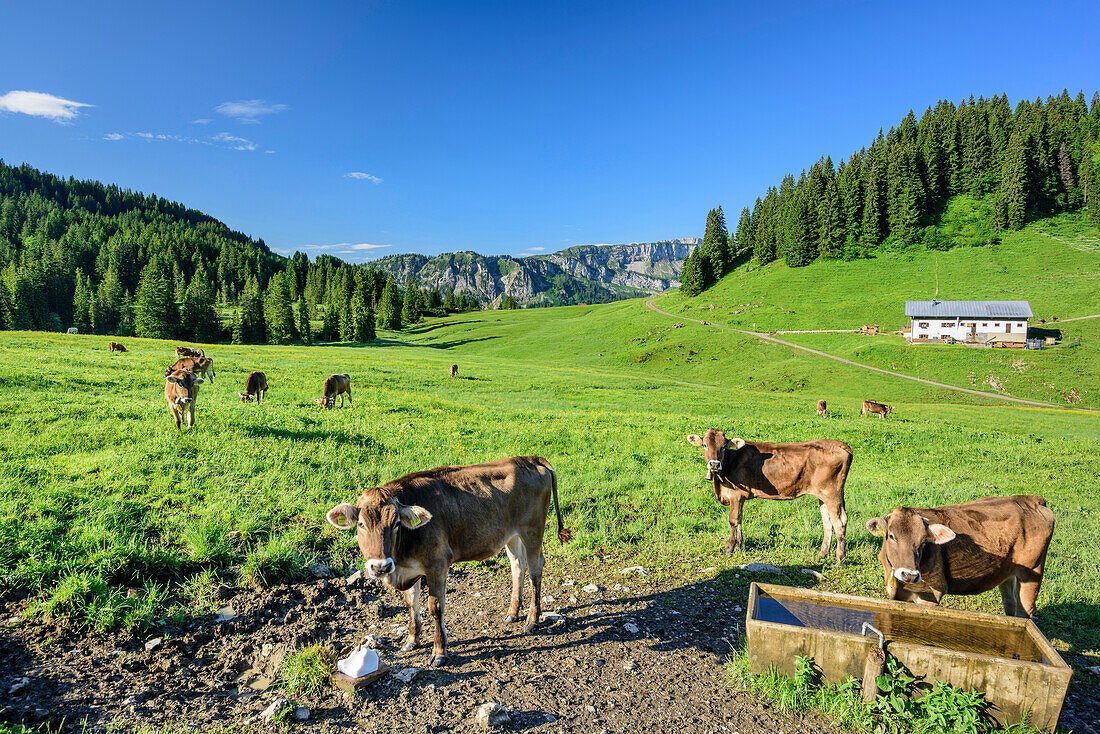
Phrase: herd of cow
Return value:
(413, 529)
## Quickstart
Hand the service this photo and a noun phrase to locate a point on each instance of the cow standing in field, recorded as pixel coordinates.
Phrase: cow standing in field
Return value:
(182, 352)
(454, 370)
(743, 470)
(418, 526)
(72, 330)
(967, 549)
(115, 347)
(255, 386)
(870, 406)
(181, 389)
(199, 365)
(821, 409)
(335, 385)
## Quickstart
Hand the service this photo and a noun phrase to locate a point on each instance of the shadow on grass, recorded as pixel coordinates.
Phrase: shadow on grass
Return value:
(314, 434)
(402, 343)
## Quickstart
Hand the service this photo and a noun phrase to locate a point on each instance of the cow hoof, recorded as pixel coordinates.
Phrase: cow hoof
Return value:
(510, 618)
(727, 551)
(408, 646)
(530, 627)
(437, 661)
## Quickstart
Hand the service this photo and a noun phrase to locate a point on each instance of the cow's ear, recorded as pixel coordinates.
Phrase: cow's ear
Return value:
(877, 526)
(695, 440)
(940, 534)
(343, 516)
(413, 516)
(735, 443)
(171, 378)
(199, 380)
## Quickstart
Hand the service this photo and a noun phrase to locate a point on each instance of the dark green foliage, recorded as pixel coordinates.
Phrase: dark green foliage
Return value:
(305, 330)
(362, 316)
(508, 303)
(411, 307)
(250, 326)
(691, 277)
(155, 313)
(389, 306)
(715, 251)
(278, 311)
(198, 319)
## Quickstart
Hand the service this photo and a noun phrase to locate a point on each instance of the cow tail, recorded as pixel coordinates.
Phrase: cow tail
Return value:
(564, 533)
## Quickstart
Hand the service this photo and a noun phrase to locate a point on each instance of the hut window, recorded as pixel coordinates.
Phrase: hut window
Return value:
(947, 324)
(922, 325)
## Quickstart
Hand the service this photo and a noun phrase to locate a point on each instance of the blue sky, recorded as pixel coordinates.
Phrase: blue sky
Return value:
(501, 127)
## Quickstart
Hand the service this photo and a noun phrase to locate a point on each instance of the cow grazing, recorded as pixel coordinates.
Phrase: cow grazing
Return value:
(743, 470)
(967, 549)
(821, 409)
(115, 347)
(870, 406)
(417, 526)
(454, 370)
(335, 385)
(72, 330)
(199, 365)
(255, 386)
(182, 352)
(181, 389)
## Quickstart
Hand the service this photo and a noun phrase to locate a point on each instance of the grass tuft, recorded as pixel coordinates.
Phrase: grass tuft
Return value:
(304, 672)
(279, 560)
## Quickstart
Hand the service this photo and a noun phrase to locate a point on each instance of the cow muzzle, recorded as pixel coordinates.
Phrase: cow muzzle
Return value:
(907, 575)
(377, 568)
(713, 466)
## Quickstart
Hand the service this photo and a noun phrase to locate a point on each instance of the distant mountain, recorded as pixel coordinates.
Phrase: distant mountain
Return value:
(582, 274)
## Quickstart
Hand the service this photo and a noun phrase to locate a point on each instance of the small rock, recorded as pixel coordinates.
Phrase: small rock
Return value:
(590, 709)
(19, 685)
(266, 649)
(490, 715)
(320, 571)
(40, 712)
(567, 582)
(11, 621)
(599, 662)
(226, 613)
(406, 675)
(590, 589)
(639, 570)
(370, 641)
(301, 713)
(478, 594)
(816, 574)
(547, 600)
(154, 643)
(354, 578)
(710, 569)
(630, 628)
(760, 568)
(572, 600)
(738, 609)
(277, 707)
(629, 665)
(617, 587)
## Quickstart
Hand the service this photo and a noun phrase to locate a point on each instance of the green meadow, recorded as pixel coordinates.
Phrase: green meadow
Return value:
(99, 493)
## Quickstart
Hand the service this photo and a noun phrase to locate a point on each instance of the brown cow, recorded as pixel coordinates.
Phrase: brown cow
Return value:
(256, 385)
(870, 406)
(821, 409)
(115, 347)
(454, 370)
(417, 526)
(743, 470)
(199, 365)
(967, 549)
(181, 388)
(189, 352)
(335, 385)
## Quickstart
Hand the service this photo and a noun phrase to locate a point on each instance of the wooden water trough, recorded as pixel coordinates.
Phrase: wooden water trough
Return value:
(1006, 657)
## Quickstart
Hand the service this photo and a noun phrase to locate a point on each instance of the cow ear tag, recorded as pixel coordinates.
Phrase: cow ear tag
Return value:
(876, 526)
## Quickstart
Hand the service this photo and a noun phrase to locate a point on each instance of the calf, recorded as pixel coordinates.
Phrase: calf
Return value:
(454, 370)
(255, 386)
(199, 365)
(821, 409)
(967, 549)
(870, 406)
(335, 385)
(189, 352)
(115, 347)
(181, 388)
(417, 526)
(743, 470)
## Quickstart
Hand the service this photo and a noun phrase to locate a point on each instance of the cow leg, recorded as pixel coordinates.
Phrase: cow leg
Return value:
(827, 524)
(437, 601)
(175, 417)
(736, 503)
(1010, 596)
(191, 416)
(835, 521)
(412, 601)
(1027, 592)
(535, 562)
(517, 556)
(349, 396)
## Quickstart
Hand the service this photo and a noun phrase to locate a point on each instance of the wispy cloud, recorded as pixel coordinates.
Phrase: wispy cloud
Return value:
(39, 104)
(249, 110)
(361, 250)
(234, 142)
(113, 136)
(363, 176)
(536, 249)
(202, 121)
(152, 137)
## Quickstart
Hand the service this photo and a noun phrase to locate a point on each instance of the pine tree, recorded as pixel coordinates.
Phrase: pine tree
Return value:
(830, 220)
(508, 303)
(198, 318)
(305, 330)
(251, 327)
(82, 303)
(799, 248)
(5, 304)
(278, 311)
(347, 322)
(742, 247)
(330, 323)
(450, 303)
(872, 226)
(691, 276)
(363, 318)
(1013, 192)
(411, 309)
(389, 309)
(715, 247)
(156, 315)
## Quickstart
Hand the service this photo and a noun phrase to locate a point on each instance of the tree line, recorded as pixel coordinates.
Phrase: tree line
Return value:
(111, 261)
(1012, 164)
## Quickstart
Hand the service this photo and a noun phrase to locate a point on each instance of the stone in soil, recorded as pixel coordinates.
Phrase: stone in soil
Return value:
(760, 568)
(406, 675)
(277, 706)
(590, 589)
(491, 715)
(301, 713)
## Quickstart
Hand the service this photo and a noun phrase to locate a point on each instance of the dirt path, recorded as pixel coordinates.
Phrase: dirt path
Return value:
(633, 655)
(819, 353)
(1075, 318)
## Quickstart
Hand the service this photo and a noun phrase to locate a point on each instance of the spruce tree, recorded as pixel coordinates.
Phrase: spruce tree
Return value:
(363, 318)
(830, 220)
(156, 315)
(691, 276)
(330, 323)
(82, 303)
(347, 322)
(199, 319)
(1013, 191)
(450, 303)
(305, 330)
(411, 309)
(715, 247)
(742, 246)
(278, 311)
(389, 309)
(251, 327)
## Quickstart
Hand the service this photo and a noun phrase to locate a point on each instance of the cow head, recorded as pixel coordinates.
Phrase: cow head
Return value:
(715, 445)
(904, 534)
(377, 522)
(181, 387)
(245, 397)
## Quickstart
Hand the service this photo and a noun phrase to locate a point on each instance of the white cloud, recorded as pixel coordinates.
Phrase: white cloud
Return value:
(234, 142)
(113, 136)
(269, 151)
(249, 110)
(202, 121)
(39, 104)
(151, 137)
(363, 176)
(536, 249)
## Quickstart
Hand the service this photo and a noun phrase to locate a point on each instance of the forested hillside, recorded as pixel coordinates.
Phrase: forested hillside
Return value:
(996, 165)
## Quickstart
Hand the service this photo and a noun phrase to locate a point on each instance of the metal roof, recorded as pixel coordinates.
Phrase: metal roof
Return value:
(969, 309)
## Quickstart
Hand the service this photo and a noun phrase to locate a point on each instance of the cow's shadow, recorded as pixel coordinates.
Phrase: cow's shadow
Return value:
(314, 434)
